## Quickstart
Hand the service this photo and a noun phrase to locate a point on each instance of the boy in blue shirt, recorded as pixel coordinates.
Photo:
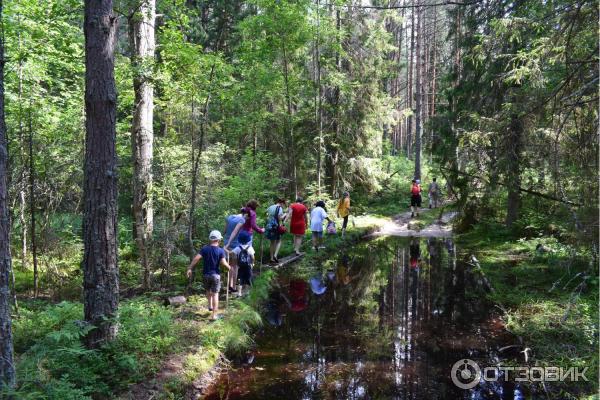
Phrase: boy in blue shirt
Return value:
(213, 256)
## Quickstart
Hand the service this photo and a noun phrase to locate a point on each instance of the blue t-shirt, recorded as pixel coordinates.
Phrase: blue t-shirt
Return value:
(232, 222)
(212, 258)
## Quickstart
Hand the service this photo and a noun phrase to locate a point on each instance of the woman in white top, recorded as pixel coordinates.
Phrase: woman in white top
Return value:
(317, 216)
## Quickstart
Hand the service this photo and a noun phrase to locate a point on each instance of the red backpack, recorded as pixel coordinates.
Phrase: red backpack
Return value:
(415, 189)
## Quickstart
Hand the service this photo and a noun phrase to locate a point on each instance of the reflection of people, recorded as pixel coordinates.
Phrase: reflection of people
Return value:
(342, 274)
(415, 254)
(298, 295)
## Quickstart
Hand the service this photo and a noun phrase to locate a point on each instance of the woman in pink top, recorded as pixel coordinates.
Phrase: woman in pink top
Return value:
(250, 224)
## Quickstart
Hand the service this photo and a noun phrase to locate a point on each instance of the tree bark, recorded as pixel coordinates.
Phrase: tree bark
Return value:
(141, 37)
(418, 93)
(513, 147)
(100, 269)
(7, 367)
(290, 121)
(22, 200)
(409, 87)
(319, 102)
(36, 278)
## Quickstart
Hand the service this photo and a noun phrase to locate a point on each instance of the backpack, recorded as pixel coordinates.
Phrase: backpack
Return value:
(331, 228)
(415, 189)
(244, 259)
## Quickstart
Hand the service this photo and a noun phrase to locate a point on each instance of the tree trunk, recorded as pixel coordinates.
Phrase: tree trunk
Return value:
(433, 65)
(7, 366)
(409, 87)
(22, 200)
(100, 269)
(332, 154)
(319, 104)
(513, 147)
(141, 37)
(36, 278)
(418, 94)
(290, 122)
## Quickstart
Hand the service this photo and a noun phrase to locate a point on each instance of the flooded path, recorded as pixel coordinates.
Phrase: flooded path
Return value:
(385, 320)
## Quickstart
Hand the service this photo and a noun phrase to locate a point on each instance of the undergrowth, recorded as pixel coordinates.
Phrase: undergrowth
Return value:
(548, 288)
(52, 362)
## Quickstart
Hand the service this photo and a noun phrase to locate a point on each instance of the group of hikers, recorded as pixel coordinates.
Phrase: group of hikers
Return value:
(238, 254)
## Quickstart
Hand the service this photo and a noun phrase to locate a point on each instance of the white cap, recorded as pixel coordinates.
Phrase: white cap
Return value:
(215, 235)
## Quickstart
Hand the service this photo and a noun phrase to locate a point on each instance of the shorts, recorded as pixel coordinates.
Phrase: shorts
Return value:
(317, 234)
(212, 283)
(415, 200)
(272, 233)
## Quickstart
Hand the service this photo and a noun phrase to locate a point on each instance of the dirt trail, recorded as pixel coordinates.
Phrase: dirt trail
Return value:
(403, 225)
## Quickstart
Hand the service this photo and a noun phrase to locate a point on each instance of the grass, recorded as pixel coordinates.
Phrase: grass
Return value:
(550, 298)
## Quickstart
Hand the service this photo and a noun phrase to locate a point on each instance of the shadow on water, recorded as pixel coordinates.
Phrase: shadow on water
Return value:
(385, 320)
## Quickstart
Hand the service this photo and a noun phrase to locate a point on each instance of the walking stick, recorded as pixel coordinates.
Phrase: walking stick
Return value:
(227, 286)
(261, 253)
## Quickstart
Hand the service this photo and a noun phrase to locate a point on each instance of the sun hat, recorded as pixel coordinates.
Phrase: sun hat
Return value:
(244, 237)
(215, 235)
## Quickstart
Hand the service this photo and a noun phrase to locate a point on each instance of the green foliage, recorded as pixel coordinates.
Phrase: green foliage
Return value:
(53, 364)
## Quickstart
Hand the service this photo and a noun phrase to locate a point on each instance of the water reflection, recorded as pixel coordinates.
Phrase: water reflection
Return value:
(388, 321)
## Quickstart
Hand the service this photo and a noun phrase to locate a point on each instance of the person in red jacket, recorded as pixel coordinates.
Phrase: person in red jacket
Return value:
(415, 198)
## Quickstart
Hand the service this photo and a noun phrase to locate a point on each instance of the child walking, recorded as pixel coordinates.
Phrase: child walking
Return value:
(213, 256)
(244, 253)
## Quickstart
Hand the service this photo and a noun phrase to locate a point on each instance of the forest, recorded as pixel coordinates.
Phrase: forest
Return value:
(131, 129)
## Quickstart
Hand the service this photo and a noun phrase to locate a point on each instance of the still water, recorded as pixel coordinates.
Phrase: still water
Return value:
(384, 320)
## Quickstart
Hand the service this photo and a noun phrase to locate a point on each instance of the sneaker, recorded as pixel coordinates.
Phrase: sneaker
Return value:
(412, 215)
(232, 290)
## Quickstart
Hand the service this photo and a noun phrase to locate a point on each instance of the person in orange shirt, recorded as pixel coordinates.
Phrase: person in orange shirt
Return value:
(343, 210)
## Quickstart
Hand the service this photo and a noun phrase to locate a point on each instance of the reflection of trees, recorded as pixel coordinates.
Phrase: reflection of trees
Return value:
(382, 329)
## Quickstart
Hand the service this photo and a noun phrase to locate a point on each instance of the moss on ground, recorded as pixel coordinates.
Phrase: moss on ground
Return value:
(549, 293)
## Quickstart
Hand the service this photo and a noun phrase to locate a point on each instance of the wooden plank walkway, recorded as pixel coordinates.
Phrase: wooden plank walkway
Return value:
(285, 261)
